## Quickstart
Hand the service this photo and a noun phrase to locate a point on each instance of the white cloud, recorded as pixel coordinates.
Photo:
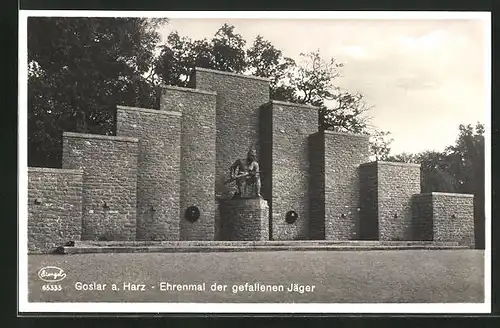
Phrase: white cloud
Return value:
(427, 42)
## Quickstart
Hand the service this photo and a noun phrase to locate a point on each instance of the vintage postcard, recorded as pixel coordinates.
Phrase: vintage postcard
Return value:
(254, 162)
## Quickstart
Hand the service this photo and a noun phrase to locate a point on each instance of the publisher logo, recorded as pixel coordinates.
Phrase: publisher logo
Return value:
(51, 274)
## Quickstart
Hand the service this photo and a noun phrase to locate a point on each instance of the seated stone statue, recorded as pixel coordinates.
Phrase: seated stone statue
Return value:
(246, 174)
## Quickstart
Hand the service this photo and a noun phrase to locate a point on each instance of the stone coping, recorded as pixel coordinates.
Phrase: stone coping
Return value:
(99, 136)
(241, 200)
(290, 104)
(422, 195)
(349, 134)
(55, 170)
(452, 194)
(391, 163)
(325, 242)
(149, 111)
(175, 88)
(264, 79)
(237, 246)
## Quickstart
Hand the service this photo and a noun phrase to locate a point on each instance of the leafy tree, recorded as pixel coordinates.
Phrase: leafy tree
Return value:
(348, 113)
(469, 171)
(80, 68)
(402, 158)
(180, 55)
(177, 58)
(468, 154)
(265, 60)
(313, 79)
(380, 142)
(228, 52)
(435, 172)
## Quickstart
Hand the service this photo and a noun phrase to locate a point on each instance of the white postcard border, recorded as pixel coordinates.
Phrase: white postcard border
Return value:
(98, 307)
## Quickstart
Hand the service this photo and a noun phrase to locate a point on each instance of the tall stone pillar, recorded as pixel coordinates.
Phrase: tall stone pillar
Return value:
(388, 188)
(158, 171)
(284, 132)
(197, 175)
(335, 198)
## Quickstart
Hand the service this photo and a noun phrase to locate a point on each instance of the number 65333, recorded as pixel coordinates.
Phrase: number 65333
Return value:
(51, 288)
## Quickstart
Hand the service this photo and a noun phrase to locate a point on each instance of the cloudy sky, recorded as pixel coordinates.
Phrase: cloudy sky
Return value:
(423, 77)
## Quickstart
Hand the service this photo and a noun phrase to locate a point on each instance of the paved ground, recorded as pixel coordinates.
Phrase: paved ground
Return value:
(338, 277)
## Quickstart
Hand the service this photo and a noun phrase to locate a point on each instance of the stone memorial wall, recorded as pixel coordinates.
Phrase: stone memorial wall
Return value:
(163, 177)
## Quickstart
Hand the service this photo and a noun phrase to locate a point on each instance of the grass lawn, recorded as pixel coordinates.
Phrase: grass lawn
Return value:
(421, 276)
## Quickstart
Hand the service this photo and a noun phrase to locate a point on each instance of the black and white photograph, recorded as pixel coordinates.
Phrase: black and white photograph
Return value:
(254, 162)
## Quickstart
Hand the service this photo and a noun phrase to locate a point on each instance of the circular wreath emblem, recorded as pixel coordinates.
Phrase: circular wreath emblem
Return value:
(192, 213)
(291, 216)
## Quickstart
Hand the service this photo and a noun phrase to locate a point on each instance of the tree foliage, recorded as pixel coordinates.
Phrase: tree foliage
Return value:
(265, 60)
(380, 142)
(79, 69)
(459, 168)
(314, 79)
(228, 52)
(180, 55)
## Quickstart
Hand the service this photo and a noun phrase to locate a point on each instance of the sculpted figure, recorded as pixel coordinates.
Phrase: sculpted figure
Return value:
(246, 174)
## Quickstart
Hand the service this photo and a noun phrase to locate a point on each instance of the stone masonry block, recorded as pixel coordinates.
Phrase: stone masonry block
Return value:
(387, 191)
(453, 218)
(289, 126)
(396, 184)
(343, 153)
(109, 165)
(244, 219)
(198, 158)
(238, 100)
(158, 169)
(54, 208)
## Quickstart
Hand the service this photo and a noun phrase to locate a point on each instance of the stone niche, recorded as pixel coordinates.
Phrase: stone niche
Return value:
(244, 219)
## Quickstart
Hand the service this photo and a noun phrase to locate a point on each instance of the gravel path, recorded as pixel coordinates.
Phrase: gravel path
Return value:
(338, 277)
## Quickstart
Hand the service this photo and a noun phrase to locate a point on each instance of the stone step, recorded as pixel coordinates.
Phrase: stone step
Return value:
(82, 249)
(174, 243)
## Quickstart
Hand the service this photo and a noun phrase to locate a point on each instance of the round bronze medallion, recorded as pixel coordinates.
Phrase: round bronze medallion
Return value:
(291, 216)
(192, 213)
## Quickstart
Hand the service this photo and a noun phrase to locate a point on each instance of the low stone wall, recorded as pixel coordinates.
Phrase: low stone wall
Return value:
(444, 217)
(244, 219)
(54, 208)
(453, 217)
